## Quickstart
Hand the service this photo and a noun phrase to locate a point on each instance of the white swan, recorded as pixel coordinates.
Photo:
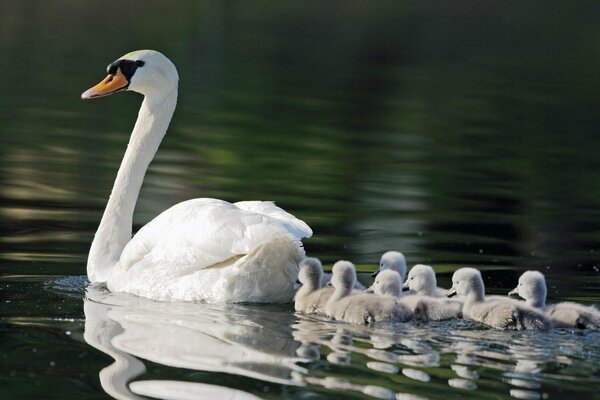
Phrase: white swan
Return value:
(361, 308)
(393, 260)
(500, 313)
(426, 308)
(532, 288)
(201, 249)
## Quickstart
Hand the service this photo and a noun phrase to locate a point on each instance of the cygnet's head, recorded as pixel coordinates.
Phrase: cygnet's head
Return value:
(531, 287)
(421, 278)
(387, 283)
(311, 272)
(465, 281)
(142, 71)
(343, 275)
(393, 260)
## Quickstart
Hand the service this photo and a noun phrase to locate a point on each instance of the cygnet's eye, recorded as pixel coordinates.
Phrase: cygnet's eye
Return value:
(412, 277)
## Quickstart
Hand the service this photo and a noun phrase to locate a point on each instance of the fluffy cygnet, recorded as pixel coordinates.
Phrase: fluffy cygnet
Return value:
(532, 288)
(421, 280)
(362, 308)
(311, 297)
(426, 308)
(500, 313)
(393, 260)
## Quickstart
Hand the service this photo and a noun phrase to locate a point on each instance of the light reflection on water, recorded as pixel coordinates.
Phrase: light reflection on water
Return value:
(326, 358)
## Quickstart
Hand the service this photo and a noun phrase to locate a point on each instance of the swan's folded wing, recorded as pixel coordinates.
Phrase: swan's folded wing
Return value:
(201, 233)
(295, 226)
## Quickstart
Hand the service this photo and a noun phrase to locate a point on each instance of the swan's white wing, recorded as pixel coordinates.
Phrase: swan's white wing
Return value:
(294, 225)
(201, 233)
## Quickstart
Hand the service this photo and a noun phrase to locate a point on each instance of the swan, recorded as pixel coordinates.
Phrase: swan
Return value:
(500, 313)
(362, 308)
(198, 250)
(532, 288)
(392, 260)
(424, 307)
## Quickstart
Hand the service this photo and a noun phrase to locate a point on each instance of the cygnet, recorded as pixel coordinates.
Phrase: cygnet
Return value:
(500, 313)
(421, 280)
(393, 260)
(426, 308)
(311, 297)
(362, 308)
(532, 288)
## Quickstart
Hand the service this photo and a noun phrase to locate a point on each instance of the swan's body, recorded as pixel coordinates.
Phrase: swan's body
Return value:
(426, 308)
(532, 288)
(501, 313)
(362, 308)
(201, 249)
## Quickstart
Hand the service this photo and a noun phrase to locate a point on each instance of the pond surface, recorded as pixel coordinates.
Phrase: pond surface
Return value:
(462, 135)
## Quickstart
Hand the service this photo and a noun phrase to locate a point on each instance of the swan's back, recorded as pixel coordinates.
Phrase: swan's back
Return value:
(215, 251)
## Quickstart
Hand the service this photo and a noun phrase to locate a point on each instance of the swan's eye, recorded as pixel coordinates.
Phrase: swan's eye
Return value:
(139, 63)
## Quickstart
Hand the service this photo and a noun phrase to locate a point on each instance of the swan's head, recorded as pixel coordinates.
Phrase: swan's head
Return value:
(532, 286)
(388, 283)
(142, 71)
(393, 260)
(311, 272)
(343, 275)
(421, 278)
(465, 281)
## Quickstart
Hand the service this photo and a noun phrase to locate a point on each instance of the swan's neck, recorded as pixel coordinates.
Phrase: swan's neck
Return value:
(115, 227)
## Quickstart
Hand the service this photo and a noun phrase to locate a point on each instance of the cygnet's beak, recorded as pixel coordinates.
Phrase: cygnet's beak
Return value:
(109, 85)
(405, 286)
(370, 290)
(451, 292)
(374, 274)
(514, 292)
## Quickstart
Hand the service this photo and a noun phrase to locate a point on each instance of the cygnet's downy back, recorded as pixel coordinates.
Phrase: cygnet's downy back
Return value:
(361, 308)
(532, 288)
(500, 313)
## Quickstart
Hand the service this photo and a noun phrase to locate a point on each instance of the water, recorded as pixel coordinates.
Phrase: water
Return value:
(459, 134)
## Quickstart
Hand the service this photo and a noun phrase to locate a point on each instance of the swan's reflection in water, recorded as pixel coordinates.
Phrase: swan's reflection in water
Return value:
(233, 339)
(272, 344)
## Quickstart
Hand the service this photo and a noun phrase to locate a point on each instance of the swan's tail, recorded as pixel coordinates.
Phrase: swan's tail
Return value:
(266, 274)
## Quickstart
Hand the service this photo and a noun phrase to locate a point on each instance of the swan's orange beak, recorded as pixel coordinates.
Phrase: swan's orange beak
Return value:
(109, 85)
